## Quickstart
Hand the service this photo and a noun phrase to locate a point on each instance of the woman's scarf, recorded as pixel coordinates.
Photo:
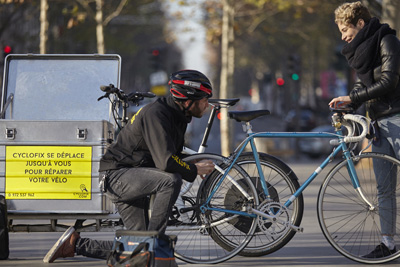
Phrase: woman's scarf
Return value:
(362, 53)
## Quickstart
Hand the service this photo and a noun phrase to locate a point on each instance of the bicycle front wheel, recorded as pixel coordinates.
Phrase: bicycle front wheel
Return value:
(353, 221)
(199, 230)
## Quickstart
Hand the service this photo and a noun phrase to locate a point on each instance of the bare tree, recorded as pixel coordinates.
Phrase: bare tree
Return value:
(97, 15)
(44, 26)
(101, 49)
(227, 68)
(390, 11)
(100, 22)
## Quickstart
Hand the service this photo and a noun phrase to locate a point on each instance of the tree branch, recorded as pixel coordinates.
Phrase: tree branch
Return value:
(85, 5)
(257, 22)
(115, 13)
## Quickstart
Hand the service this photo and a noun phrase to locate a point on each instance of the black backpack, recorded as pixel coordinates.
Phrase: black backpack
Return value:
(4, 245)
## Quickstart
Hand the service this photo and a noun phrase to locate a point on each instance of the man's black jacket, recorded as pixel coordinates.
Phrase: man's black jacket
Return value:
(154, 137)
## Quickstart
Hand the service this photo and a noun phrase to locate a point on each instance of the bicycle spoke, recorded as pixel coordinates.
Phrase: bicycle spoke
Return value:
(215, 236)
(281, 187)
(350, 224)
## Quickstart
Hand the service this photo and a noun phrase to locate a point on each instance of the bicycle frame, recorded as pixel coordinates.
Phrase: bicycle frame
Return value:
(254, 203)
(216, 105)
(251, 140)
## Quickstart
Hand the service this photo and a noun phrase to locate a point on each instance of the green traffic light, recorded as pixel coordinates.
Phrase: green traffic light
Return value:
(295, 77)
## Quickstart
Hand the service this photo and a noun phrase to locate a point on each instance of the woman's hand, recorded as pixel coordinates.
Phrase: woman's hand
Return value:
(339, 102)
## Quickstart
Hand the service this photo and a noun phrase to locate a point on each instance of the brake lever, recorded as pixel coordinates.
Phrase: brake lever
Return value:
(104, 96)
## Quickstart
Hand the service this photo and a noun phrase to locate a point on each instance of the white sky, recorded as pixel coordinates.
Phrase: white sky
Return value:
(190, 35)
(194, 51)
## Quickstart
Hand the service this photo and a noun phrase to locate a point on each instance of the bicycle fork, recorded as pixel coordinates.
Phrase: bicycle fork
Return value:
(356, 183)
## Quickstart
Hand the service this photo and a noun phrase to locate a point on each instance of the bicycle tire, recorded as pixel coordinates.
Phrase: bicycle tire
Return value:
(347, 222)
(195, 241)
(282, 183)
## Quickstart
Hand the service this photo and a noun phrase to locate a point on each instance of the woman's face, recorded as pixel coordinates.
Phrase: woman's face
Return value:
(350, 31)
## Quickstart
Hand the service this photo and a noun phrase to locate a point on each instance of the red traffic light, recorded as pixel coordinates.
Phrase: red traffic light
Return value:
(280, 81)
(155, 52)
(7, 49)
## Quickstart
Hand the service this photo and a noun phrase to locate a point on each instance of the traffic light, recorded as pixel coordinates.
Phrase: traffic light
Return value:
(6, 51)
(280, 81)
(155, 58)
(294, 67)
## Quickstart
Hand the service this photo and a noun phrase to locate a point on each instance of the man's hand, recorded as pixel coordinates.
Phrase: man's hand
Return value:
(204, 167)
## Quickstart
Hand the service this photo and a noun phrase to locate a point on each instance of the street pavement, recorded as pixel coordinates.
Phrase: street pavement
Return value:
(306, 249)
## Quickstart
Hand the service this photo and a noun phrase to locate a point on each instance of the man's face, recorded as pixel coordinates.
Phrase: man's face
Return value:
(199, 107)
(350, 31)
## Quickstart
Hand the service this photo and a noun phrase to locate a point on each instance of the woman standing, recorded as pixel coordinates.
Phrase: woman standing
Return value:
(373, 51)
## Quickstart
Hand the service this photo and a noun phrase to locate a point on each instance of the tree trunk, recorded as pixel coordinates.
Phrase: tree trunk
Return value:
(227, 68)
(390, 11)
(99, 27)
(44, 26)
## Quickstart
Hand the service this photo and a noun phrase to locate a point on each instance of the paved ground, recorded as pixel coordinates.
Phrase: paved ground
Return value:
(306, 249)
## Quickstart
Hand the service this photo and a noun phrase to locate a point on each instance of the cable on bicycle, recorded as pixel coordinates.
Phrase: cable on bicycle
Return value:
(121, 97)
(350, 138)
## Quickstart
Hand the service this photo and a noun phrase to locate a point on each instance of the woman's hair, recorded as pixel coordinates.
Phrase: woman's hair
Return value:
(350, 13)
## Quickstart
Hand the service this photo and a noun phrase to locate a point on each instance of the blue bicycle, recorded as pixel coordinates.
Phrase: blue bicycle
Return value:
(252, 204)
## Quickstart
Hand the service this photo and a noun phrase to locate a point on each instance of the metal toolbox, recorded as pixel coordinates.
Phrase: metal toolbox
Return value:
(52, 166)
(53, 132)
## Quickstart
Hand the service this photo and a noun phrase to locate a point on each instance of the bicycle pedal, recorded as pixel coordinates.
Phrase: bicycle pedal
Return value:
(297, 228)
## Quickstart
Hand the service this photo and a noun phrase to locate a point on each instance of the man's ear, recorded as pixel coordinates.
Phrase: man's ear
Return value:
(186, 103)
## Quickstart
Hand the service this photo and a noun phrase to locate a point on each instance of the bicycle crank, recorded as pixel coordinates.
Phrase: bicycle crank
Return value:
(273, 218)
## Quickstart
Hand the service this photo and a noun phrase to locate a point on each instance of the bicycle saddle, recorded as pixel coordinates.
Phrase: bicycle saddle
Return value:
(247, 116)
(226, 102)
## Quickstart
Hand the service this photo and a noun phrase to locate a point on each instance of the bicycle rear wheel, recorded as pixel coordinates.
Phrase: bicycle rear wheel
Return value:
(347, 221)
(281, 183)
(198, 229)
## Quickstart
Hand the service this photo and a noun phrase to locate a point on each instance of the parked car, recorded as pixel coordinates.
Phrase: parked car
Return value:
(306, 121)
(317, 147)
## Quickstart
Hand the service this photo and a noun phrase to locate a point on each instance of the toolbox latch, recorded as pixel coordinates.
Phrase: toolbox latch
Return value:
(10, 133)
(81, 134)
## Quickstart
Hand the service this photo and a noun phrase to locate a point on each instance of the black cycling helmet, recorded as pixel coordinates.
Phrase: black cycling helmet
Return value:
(189, 84)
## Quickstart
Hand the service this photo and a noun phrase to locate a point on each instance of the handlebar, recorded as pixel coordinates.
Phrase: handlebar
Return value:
(123, 99)
(342, 108)
(139, 96)
(346, 120)
(132, 97)
(109, 89)
(363, 121)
